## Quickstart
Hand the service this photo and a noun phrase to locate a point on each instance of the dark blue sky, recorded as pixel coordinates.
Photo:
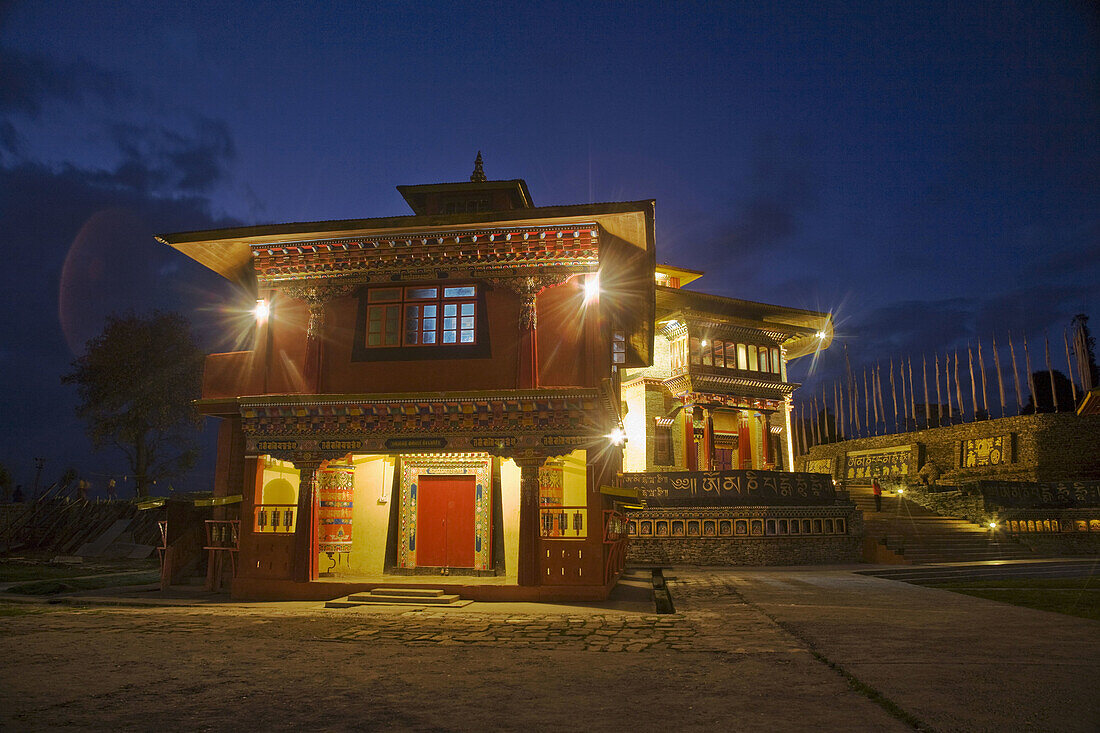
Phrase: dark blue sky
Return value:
(928, 171)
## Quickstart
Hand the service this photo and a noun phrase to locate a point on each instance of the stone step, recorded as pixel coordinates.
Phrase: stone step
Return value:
(433, 597)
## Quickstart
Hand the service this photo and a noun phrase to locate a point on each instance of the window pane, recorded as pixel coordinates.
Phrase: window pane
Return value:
(742, 357)
(731, 355)
(708, 356)
(450, 309)
(450, 323)
(467, 337)
(775, 361)
(448, 337)
(467, 291)
(468, 322)
(421, 293)
(381, 295)
(429, 337)
(391, 339)
(429, 311)
(467, 309)
(754, 363)
(429, 324)
(694, 351)
(374, 339)
(763, 359)
(410, 337)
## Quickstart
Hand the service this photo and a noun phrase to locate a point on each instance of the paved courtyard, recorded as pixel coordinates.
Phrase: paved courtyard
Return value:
(746, 649)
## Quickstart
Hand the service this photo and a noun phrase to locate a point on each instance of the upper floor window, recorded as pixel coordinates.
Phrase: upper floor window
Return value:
(731, 355)
(421, 315)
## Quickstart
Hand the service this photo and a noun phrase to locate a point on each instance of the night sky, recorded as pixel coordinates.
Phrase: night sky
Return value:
(930, 172)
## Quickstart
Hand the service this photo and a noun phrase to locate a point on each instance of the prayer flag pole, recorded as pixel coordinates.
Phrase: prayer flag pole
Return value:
(947, 378)
(836, 408)
(927, 407)
(1050, 371)
(959, 389)
(912, 395)
(1015, 375)
(1030, 377)
(981, 366)
(1000, 379)
(1069, 367)
(973, 385)
(894, 394)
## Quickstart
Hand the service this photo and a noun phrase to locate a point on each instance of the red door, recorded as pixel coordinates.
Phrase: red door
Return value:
(445, 521)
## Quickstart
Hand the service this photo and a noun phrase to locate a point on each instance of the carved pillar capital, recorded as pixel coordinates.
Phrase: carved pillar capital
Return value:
(527, 287)
(316, 295)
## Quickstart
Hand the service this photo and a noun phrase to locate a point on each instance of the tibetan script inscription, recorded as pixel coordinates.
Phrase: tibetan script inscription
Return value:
(863, 465)
(1036, 495)
(731, 488)
(992, 451)
(820, 465)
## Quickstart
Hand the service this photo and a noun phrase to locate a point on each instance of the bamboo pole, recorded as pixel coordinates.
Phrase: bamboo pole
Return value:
(817, 432)
(894, 394)
(973, 384)
(912, 395)
(881, 402)
(843, 414)
(927, 406)
(981, 368)
(959, 389)
(1030, 378)
(947, 379)
(1015, 375)
(1000, 379)
(939, 394)
(1050, 371)
(825, 415)
(874, 397)
(1069, 367)
(836, 409)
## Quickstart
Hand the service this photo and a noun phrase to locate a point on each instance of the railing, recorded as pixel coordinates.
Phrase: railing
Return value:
(615, 539)
(275, 518)
(563, 522)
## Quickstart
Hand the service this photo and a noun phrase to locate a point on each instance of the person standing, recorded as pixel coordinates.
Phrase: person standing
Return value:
(876, 489)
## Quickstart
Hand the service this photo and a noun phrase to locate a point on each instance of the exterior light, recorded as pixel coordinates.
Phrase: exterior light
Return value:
(901, 491)
(261, 311)
(592, 287)
(822, 335)
(703, 342)
(993, 525)
(617, 436)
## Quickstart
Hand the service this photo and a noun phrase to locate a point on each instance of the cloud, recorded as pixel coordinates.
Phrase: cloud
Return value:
(30, 82)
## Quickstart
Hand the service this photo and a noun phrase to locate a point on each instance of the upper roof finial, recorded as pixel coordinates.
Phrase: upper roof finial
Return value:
(479, 173)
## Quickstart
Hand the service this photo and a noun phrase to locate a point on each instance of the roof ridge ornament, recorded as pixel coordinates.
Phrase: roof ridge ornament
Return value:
(478, 176)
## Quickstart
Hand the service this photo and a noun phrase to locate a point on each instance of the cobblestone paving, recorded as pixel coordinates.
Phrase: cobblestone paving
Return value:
(604, 633)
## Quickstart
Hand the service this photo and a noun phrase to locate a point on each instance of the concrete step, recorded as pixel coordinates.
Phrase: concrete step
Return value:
(433, 597)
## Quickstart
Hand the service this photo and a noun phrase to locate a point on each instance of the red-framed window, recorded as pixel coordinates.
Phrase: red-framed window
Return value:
(421, 315)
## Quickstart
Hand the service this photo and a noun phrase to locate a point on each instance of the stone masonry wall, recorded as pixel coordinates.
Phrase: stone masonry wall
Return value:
(1045, 447)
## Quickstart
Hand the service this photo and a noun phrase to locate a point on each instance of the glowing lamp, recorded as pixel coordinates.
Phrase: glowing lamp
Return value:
(261, 311)
(703, 342)
(993, 525)
(592, 287)
(901, 491)
(617, 436)
(822, 335)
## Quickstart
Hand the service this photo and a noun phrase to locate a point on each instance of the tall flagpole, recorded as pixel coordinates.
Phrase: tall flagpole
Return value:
(927, 406)
(1069, 366)
(894, 394)
(1030, 377)
(981, 367)
(1081, 350)
(912, 395)
(947, 378)
(836, 411)
(1050, 371)
(1015, 375)
(874, 397)
(959, 389)
(973, 385)
(881, 402)
(939, 394)
(843, 413)
(851, 391)
(1000, 379)
(817, 428)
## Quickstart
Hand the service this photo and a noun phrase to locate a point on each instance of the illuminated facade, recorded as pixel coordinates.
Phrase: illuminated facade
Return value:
(431, 395)
(717, 396)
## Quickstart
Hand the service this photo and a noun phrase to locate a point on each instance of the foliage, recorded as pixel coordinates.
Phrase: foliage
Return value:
(1043, 395)
(136, 381)
(1081, 321)
(5, 483)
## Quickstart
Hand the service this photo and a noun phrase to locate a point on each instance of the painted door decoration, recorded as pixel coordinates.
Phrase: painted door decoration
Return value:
(445, 521)
(412, 537)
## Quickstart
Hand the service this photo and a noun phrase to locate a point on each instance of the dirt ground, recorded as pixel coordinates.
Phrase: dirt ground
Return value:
(721, 661)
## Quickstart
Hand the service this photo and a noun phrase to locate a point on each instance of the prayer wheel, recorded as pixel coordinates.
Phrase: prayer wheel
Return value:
(334, 496)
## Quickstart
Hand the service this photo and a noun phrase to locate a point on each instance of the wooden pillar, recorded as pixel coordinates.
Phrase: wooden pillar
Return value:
(744, 435)
(527, 572)
(305, 545)
(528, 289)
(766, 430)
(690, 463)
(708, 442)
(315, 295)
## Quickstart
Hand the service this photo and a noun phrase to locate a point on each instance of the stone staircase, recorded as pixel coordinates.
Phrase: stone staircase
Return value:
(921, 536)
(433, 597)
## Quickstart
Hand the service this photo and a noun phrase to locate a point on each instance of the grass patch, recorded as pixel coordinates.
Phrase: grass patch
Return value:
(25, 609)
(53, 587)
(15, 572)
(1068, 596)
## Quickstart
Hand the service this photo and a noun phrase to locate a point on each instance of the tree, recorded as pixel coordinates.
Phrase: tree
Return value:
(136, 381)
(1043, 396)
(5, 483)
(1086, 342)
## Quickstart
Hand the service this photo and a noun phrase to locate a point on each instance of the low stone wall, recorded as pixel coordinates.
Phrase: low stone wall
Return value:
(746, 536)
(1044, 447)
